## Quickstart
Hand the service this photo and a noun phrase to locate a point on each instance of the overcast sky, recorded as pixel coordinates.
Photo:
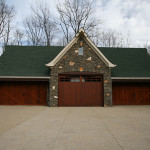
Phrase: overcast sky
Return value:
(126, 16)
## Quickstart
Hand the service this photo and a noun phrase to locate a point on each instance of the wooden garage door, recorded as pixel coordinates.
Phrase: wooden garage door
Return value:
(23, 93)
(77, 90)
(131, 93)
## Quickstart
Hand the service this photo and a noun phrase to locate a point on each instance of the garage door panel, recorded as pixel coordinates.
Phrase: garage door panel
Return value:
(23, 93)
(80, 91)
(131, 93)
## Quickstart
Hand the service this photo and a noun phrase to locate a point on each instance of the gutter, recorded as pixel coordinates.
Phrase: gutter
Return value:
(130, 79)
(23, 78)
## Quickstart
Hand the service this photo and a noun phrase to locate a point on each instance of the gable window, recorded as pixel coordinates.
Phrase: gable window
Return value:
(80, 51)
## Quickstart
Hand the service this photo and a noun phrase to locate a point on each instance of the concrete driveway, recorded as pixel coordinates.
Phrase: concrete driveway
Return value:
(74, 128)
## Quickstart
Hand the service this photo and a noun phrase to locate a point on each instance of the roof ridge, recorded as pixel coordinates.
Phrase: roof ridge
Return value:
(31, 46)
(123, 47)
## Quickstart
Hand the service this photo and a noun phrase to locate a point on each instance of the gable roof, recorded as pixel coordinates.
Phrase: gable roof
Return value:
(27, 60)
(68, 46)
(31, 60)
(131, 62)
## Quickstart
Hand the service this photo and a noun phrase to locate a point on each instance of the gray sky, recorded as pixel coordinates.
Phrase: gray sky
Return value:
(131, 16)
(126, 16)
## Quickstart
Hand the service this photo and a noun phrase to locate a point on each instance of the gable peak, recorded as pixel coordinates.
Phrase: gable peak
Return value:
(81, 32)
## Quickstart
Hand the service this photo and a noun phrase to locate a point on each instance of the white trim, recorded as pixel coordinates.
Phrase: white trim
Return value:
(131, 78)
(58, 57)
(25, 77)
(98, 52)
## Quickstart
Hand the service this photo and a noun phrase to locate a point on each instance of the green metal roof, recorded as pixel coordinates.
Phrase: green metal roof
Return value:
(31, 60)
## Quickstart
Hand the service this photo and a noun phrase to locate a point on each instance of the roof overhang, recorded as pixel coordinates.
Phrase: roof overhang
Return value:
(23, 78)
(75, 39)
(130, 79)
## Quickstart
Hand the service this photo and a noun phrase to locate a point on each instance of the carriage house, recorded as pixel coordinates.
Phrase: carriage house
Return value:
(79, 74)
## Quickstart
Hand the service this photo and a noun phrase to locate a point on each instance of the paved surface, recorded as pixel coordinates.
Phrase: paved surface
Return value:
(74, 128)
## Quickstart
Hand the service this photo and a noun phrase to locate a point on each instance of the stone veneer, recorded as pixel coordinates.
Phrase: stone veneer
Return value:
(71, 62)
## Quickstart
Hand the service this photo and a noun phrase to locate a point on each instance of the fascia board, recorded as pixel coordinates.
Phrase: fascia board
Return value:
(58, 57)
(99, 53)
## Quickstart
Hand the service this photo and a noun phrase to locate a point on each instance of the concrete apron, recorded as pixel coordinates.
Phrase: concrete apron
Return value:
(74, 128)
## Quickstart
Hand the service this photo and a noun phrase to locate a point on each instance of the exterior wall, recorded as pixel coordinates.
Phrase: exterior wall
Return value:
(72, 62)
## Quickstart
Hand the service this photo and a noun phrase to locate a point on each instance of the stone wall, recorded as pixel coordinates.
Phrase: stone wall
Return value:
(88, 62)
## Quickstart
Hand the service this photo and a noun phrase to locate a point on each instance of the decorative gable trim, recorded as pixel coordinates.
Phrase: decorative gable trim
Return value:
(75, 39)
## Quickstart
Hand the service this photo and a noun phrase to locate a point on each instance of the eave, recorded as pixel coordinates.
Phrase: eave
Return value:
(130, 79)
(23, 78)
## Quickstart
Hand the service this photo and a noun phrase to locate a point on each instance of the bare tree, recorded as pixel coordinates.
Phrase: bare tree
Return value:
(74, 14)
(18, 36)
(33, 31)
(6, 14)
(61, 41)
(40, 27)
(110, 38)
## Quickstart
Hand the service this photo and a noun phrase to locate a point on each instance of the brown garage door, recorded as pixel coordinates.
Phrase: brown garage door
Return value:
(23, 93)
(80, 90)
(131, 93)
